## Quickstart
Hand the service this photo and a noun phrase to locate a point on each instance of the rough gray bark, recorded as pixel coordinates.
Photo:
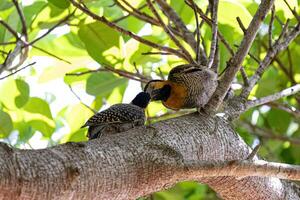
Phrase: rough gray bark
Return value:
(135, 163)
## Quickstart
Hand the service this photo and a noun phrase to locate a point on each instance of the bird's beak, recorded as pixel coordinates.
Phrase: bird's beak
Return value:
(155, 94)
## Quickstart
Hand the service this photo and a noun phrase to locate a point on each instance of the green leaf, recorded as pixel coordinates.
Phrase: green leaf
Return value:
(98, 38)
(23, 97)
(16, 93)
(6, 125)
(229, 10)
(75, 121)
(25, 131)
(33, 10)
(279, 120)
(4, 4)
(63, 4)
(78, 136)
(103, 83)
(37, 113)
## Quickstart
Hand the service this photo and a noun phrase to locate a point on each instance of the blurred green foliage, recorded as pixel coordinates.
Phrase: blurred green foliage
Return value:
(23, 114)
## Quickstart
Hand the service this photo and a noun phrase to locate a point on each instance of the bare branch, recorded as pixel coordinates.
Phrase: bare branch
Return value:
(126, 32)
(277, 47)
(10, 29)
(77, 97)
(198, 49)
(171, 35)
(214, 40)
(291, 110)
(155, 53)
(271, 26)
(244, 76)
(187, 35)
(126, 74)
(269, 134)
(51, 54)
(241, 25)
(60, 22)
(137, 13)
(234, 64)
(22, 18)
(4, 77)
(293, 11)
(254, 152)
(216, 62)
(284, 93)
(246, 168)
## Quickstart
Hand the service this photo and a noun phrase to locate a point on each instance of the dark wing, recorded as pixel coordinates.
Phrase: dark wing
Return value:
(118, 113)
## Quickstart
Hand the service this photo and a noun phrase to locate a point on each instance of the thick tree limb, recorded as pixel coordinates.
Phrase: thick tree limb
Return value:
(234, 64)
(141, 161)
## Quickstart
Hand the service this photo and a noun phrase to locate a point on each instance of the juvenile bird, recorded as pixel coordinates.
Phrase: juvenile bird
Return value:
(119, 117)
(188, 86)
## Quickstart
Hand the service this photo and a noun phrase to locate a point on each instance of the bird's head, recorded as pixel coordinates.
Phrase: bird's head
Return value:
(158, 90)
(142, 100)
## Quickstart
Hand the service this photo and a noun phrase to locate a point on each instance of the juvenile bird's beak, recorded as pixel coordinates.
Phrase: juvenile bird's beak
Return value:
(156, 94)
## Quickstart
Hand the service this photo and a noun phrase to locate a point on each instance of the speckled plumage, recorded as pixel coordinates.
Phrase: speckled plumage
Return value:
(117, 118)
(200, 83)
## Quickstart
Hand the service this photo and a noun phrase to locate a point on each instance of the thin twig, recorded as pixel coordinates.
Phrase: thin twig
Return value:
(171, 35)
(198, 49)
(155, 53)
(187, 35)
(267, 133)
(9, 28)
(235, 63)
(22, 18)
(272, 52)
(4, 77)
(214, 40)
(284, 93)
(51, 54)
(253, 152)
(271, 26)
(244, 76)
(50, 29)
(291, 110)
(136, 12)
(126, 32)
(129, 14)
(126, 74)
(293, 11)
(241, 24)
(77, 97)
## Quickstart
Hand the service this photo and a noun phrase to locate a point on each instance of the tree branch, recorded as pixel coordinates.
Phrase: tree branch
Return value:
(133, 76)
(245, 168)
(234, 64)
(284, 93)
(126, 32)
(268, 134)
(187, 35)
(4, 77)
(277, 47)
(144, 160)
(214, 40)
(171, 35)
